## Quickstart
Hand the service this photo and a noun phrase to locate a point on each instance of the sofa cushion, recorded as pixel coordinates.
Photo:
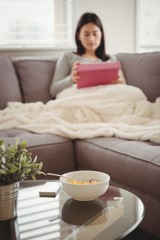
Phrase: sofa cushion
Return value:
(35, 77)
(133, 163)
(9, 86)
(142, 70)
(56, 153)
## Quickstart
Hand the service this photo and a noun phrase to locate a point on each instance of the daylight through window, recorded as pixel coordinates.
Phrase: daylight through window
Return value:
(36, 24)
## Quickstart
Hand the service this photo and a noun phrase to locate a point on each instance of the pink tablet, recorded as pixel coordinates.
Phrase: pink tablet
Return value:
(97, 73)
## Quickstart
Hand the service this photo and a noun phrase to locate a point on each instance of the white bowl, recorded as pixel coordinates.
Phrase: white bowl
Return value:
(85, 192)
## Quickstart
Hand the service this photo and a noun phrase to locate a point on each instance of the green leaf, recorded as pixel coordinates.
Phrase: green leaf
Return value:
(16, 162)
(10, 165)
(33, 176)
(26, 170)
(40, 166)
(23, 162)
(35, 159)
(3, 160)
(13, 170)
(3, 171)
(4, 167)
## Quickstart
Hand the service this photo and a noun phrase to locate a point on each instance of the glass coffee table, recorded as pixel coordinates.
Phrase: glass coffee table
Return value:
(112, 216)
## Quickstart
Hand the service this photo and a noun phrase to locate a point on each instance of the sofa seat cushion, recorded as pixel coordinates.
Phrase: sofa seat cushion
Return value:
(35, 76)
(136, 164)
(142, 70)
(9, 88)
(55, 152)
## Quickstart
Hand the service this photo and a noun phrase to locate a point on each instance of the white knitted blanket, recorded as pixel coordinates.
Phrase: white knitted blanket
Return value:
(112, 110)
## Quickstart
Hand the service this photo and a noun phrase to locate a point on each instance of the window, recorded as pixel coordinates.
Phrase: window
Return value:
(148, 25)
(36, 24)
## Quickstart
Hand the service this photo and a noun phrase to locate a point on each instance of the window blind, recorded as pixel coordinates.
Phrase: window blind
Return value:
(36, 24)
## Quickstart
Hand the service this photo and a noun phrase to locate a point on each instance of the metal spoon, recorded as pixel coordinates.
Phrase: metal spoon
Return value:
(70, 178)
(59, 175)
(54, 218)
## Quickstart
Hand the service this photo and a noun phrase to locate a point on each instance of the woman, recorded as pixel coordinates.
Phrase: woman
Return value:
(89, 37)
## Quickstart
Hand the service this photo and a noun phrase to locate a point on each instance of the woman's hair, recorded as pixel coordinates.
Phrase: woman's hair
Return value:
(91, 18)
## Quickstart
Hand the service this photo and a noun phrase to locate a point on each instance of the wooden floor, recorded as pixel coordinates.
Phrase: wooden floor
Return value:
(139, 234)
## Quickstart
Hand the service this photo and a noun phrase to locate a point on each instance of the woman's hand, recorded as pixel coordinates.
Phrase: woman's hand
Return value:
(74, 72)
(117, 81)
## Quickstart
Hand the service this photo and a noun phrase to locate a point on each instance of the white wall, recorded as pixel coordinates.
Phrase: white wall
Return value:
(118, 18)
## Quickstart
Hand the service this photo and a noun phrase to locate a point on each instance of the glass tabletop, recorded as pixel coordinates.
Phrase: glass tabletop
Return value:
(111, 216)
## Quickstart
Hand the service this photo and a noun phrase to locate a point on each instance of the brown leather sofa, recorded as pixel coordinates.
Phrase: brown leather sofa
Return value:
(133, 165)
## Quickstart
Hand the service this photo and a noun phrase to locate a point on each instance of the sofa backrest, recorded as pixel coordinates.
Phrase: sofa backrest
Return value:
(9, 84)
(142, 70)
(25, 79)
(35, 76)
(29, 79)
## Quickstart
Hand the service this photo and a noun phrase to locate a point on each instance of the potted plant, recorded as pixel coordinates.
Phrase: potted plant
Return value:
(16, 164)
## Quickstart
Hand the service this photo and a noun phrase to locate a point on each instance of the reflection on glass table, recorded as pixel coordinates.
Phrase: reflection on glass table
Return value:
(64, 218)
